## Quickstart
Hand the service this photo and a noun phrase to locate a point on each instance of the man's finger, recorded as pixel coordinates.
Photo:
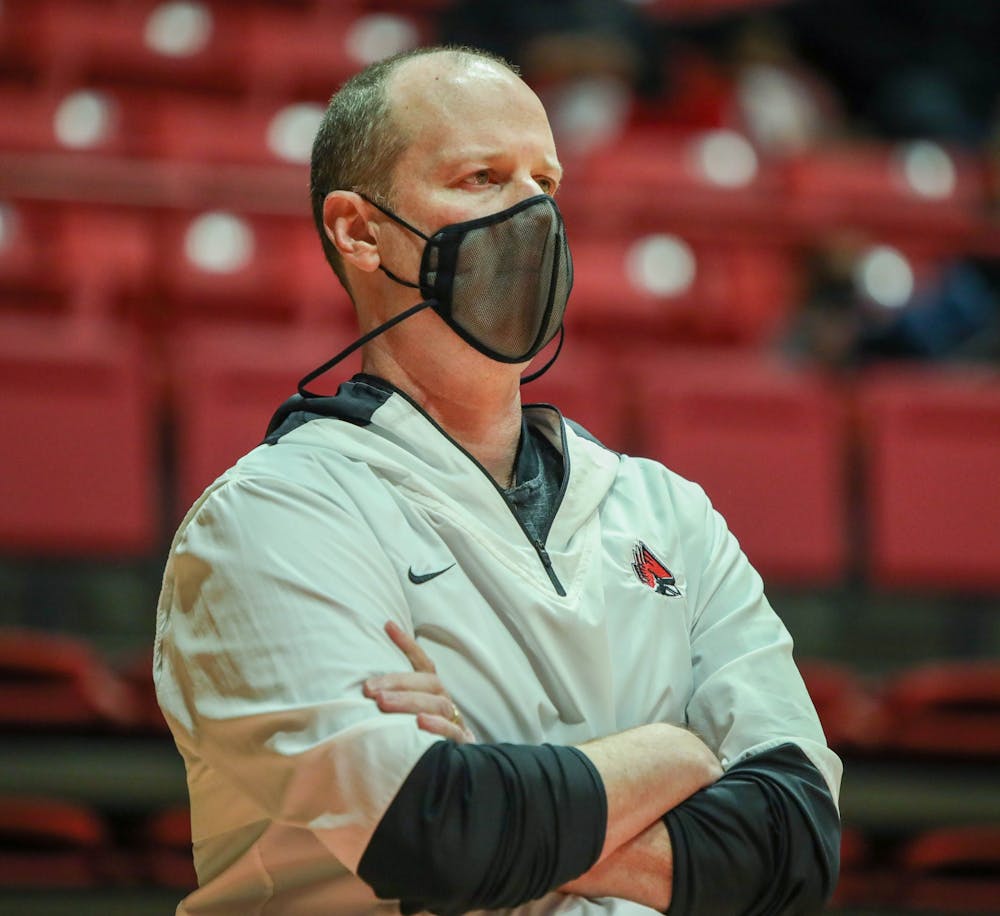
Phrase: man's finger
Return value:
(415, 681)
(418, 658)
(438, 725)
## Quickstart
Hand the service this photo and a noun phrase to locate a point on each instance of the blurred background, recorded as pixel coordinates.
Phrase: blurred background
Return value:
(784, 219)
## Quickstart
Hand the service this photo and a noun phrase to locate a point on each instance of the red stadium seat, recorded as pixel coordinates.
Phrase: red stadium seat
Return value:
(768, 445)
(76, 118)
(193, 128)
(228, 382)
(952, 870)
(168, 858)
(47, 843)
(239, 265)
(846, 706)
(678, 287)
(190, 45)
(587, 386)
(106, 257)
(915, 186)
(864, 881)
(77, 471)
(932, 444)
(26, 257)
(312, 55)
(57, 682)
(944, 709)
(712, 178)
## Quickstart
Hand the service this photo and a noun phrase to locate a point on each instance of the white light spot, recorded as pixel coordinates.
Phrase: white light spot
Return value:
(885, 276)
(219, 242)
(8, 225)
(663, 265)
(83, 119)
(927, 169)
(589, 112)
(378, 35)
(292, 130)
(779, 112)
(725, 158)
(179, 29)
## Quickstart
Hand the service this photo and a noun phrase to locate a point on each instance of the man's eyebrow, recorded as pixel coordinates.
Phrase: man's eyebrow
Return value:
(488, 154)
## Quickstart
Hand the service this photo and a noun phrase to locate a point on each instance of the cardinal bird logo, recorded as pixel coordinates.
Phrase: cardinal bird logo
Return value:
(652, 572)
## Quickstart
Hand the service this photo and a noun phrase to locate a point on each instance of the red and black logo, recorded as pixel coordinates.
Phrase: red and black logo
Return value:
(652, 572)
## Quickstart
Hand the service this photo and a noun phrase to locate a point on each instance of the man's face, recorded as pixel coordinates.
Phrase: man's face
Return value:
(479, 142)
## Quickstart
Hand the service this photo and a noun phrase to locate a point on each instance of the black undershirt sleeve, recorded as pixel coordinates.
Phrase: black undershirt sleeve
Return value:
(764, 840)
(486, 826)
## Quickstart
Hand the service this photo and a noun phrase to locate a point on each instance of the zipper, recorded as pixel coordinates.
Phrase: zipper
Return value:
(543, 554)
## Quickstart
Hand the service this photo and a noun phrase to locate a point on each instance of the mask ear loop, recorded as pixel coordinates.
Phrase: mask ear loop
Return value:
(360, 342)
(548, 365)
(402, 222)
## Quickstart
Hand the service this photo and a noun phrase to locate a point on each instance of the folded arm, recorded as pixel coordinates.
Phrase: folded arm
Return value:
(523, 820)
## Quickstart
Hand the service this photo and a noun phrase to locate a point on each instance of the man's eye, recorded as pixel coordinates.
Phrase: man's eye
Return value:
(547, 185)
(481, 178)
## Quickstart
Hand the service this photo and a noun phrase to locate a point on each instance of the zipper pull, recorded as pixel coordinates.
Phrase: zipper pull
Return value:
(543, 555)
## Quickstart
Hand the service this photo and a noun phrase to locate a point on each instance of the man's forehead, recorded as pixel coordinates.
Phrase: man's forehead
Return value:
(448, 84)
(457, 106)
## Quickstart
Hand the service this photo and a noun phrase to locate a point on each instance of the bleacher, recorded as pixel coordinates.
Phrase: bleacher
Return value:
(162, 289)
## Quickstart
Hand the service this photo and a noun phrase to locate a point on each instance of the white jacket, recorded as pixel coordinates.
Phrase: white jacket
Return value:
(283, 574)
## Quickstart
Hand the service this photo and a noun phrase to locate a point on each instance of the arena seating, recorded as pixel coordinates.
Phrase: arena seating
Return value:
(952, 870)
(51, 843)
(228, 381)
(78, 472)
(943, 709)
(932, 449)
(56, 682)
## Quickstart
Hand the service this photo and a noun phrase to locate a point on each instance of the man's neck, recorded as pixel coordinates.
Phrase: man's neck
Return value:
(483, 415)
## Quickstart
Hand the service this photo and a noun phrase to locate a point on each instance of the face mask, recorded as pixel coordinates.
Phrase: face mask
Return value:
(500, 282)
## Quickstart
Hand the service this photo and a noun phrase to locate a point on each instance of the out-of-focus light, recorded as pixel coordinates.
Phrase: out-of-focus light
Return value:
(291, 131)
(725, 158)
(927, 169)
(380, 35)
(885, 276)
(588, 113)
(219, 242)
(83, 119)
(8, 225)
(179, 29)
(779, 113)
(663, 265)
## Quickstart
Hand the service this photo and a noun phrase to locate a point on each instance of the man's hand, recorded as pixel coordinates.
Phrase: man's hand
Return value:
(418, 692)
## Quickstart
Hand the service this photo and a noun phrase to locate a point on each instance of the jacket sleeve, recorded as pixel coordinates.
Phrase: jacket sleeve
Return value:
(271, 618)
(747, 695)
(762, 841)
(772, 820)
(487, 827)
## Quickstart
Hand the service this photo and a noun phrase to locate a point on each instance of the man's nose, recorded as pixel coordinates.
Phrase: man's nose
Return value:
(522, 188)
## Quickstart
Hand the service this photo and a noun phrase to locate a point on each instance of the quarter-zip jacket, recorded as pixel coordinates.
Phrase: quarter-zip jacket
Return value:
(281, 578)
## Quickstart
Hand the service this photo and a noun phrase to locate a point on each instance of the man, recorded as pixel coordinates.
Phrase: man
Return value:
(417, 559)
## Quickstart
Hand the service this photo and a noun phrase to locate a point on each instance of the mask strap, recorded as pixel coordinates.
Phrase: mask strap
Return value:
(399, 280)
(548, 365)
(360, 342)
(402, 222)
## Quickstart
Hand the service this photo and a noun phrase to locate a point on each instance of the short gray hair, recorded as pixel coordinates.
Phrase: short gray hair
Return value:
(358, 142)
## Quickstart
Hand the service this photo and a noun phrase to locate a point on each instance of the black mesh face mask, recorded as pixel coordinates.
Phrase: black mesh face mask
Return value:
(501, 282)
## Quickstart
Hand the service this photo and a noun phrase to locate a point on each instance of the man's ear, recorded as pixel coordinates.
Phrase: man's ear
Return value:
(347, 228)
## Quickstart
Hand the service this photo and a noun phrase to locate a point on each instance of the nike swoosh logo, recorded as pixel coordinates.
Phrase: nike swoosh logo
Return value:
(426, 577)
